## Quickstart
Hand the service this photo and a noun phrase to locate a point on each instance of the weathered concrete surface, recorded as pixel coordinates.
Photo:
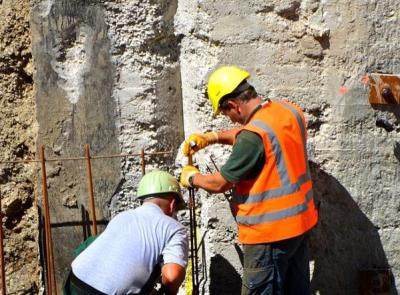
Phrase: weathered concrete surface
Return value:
(74, 107)
(147, 86)
(17, 142)
(314, 53)
(107, 75)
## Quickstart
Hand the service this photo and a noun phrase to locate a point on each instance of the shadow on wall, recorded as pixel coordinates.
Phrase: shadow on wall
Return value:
(224, 279)
(344, 243)
(389, 124)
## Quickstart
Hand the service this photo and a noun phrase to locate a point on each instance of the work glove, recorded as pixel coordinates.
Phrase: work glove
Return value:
(197, 141)
(187, 172)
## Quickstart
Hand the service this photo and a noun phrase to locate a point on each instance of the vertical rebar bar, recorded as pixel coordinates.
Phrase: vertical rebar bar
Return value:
(90, 189)
(3, 276)
(51, 282)
(143, 162)
(195, 264)
(191, 243)
(193, 237)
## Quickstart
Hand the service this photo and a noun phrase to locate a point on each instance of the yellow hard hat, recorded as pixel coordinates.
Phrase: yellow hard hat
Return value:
(223, 81)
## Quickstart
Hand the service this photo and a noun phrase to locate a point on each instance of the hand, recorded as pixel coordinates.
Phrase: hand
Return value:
(187, 172)
(198, 141)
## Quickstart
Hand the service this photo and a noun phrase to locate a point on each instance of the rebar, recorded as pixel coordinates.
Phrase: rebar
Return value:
(143, 162)
(84, 158)
(227, 194)
(3, 276)
(49, 256)
(90, 189)
(51, 282)
(193, 237)
(191, 243)
(195, 261)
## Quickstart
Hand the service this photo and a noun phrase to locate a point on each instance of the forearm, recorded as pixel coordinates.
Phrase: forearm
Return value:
(228, 136)
(213, 183)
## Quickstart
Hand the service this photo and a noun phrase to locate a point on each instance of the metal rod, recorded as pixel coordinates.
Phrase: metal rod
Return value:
(196, 262)
(143, 162)
(215, 165)
(84, 158)
(46, 236)
(227, 194)
(90, 189)
(49, 244)
(193, 237)
(192, 247)
(3, 276)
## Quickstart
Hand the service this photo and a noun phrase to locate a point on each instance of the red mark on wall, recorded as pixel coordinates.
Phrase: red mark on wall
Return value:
(365, 79)
(343, 90)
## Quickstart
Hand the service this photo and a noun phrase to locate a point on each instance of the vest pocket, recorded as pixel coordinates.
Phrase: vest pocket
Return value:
(258, 279)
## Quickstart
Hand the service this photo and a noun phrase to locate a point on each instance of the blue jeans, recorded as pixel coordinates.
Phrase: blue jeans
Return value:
(279, 268)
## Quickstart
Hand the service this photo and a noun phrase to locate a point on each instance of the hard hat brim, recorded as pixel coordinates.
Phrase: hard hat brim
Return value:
(181, 205)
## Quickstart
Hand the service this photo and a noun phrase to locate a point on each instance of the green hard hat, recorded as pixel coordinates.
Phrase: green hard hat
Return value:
(159, 183)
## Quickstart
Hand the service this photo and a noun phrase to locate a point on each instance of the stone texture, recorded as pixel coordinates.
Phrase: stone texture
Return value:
(17, 142)
(314, 53)
(74, 107)
(147, 86)
(107, 75)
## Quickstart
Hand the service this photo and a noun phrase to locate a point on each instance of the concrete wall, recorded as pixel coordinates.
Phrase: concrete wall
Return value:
(73, 69)
(107, 74)
(125, 75)
(316, 54)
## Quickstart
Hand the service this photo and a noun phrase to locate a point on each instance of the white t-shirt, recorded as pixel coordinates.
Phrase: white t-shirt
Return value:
(122, 258)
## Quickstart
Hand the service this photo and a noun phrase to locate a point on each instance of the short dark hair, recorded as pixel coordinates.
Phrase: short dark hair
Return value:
(244, 92)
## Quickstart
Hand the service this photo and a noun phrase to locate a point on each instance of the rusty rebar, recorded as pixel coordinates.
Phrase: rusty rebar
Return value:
(51, 282)
(84, 158)
(143, 162)
(3, 276)
(193, 237)
(90, 189)
(192, 246)
(195, 261)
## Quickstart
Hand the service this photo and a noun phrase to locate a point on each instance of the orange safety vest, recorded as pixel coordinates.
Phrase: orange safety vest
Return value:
(278, 204)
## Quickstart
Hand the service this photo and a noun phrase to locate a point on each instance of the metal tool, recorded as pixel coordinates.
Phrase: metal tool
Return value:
(227, 194)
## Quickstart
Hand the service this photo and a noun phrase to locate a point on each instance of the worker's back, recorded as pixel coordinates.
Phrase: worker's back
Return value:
(122, 258)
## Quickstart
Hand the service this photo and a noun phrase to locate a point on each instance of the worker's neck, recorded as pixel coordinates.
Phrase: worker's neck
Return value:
(249, 107)
(164, 205)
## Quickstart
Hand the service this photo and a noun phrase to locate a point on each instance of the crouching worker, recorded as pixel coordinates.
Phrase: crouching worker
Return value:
(137, 246)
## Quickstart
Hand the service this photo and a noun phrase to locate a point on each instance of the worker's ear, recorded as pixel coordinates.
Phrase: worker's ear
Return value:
(231, 104)
(235, 104)
(173, 205)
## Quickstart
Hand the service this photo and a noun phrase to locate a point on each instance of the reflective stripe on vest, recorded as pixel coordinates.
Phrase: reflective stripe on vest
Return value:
(286, 188)
(277, 215)
(266, 212)
(273, 193)
(303, 131)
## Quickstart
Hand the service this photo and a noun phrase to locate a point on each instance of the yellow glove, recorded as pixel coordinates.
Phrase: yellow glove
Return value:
(187, 172)
(196, 142)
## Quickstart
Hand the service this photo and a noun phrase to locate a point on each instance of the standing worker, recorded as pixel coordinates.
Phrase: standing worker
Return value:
(268, 171)
(137, 246)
